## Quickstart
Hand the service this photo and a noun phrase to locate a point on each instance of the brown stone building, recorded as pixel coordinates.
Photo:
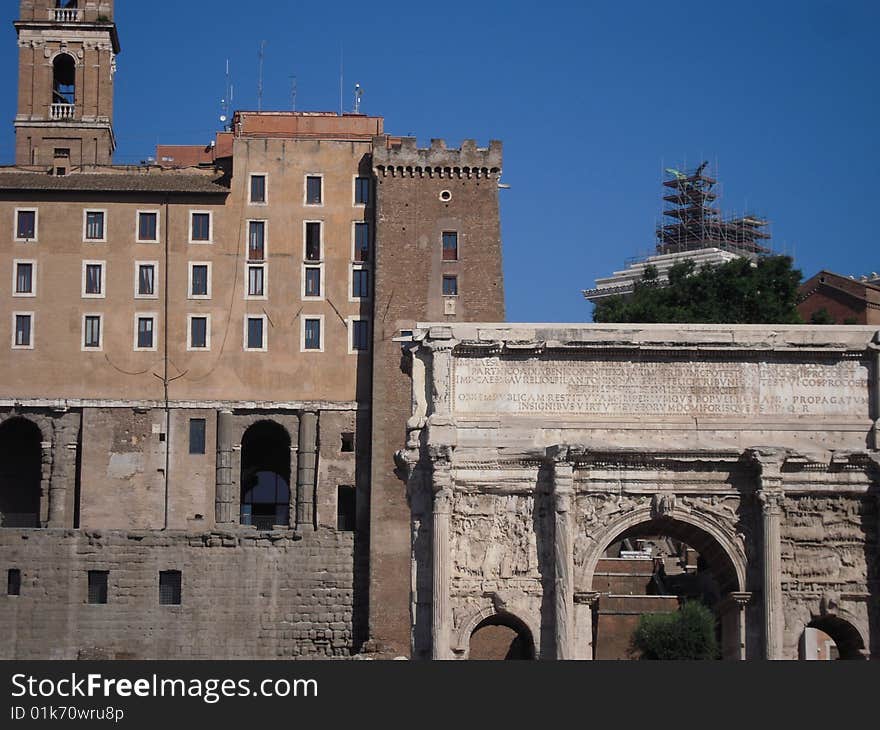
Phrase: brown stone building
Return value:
(201, 388)
(830, 298)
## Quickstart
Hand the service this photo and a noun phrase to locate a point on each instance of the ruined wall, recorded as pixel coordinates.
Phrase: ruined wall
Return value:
(244, 596)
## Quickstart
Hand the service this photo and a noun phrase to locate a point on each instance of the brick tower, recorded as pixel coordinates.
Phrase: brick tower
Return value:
(67, 59)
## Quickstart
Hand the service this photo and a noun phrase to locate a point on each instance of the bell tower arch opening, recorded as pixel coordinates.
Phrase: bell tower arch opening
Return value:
(64, 80)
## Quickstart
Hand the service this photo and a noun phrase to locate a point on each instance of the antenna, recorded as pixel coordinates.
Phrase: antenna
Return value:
(358, 93)
(226, 101)
(260, 83)
(293, 93)
(341, 58)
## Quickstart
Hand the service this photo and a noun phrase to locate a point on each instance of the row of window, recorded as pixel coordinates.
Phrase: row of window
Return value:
(255, 335)
(94, 274)
(170, 582)
(258, 189)
(313, 241)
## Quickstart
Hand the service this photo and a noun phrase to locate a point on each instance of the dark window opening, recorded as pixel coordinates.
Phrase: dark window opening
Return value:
(255, 333)
(313, 281)
(145, 332)
(26, 226)
(346, 509)
(197, 435)
(265, 476)
(200, 280)
(450, 286)
(64, 79)
(13, 582)
(95, 225)
(24, 279)
(198, 338)
(62, 153)
(60, 171)
(256, 281)
(347, 442)
(258, 188)
(360, 335)
(92, 336)
(21, 470)
(362, 191)
(361, 241)
(360, 283)
(147, 226)
(146, 280)
(450, 246)
(257, 241)
(22, 330)
(98, 586)
(313, 241)
(201, 226)
(93, 278)
(313, 334)
(313, 190)
(169, 587)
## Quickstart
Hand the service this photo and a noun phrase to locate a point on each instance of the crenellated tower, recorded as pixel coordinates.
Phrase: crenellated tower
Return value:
(67, 60)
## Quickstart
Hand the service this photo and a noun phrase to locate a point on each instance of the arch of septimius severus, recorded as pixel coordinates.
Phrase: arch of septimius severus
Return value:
(556, 472)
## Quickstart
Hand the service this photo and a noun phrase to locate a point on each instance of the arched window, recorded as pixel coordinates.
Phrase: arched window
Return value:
(21, 458)
(265, 476)
(64, 79)
(67, 4)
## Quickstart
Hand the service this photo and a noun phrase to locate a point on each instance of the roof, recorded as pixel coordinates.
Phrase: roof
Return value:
(142, 181)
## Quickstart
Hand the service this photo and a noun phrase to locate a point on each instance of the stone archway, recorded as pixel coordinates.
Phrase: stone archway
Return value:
(265, 475)
(846, 639)
(21, 473)
(496, 635)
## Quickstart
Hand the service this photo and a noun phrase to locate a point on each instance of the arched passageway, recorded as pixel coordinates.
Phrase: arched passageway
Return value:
(265, 476)
(501, 636)
(831, 637)
(21, 459)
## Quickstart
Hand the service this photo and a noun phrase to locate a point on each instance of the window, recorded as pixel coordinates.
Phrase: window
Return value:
(92, 332)
(346, 508)
(145, 282)
(98, 586)
(360, 283)
(254, 333)
(362, 191)
(450, 246)
(200, 228)
(169, 587)
(197, 435)
(313, 241)
(200, 280)
(94, 225)
(450, 286)
(147, 226)
(347, 444)
(63, 83)
(199, 332)
(256, 240)
(24, 279)
(360, 335)
(361, 241)
(26, 225)
(13, 582)
(256, 281)
(145, 332)
(62, 153)
(312, 281)
(312, 333)
(258, 188)
(313, 189)
(93, 279)
(23, 330)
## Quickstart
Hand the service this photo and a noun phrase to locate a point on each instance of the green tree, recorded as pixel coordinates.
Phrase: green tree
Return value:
(821, 316)
(735, 292)
(689, 633)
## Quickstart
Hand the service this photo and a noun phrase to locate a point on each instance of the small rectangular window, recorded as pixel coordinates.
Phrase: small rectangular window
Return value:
(313, 190)
(361, 241)
(198, 333)
(98, 586)
(313, 281)
(26, 225)
(450, 286)
(197, 435)
(92, 331)
(450, 246)
(94, 225)
(201, 227)
(362, 191)
(148, 226)
(146, 280)
(169, 588)
(258, 188)
(256, 281)
(312, 334)
(360, 338)
(24, 278)
(199, 287)
(347, 444)
(360, 283)
(62, 153)
(346, 508)
(313, 241)
(94, 280)
(145, 326)
(13, 582)
(256, 240)
(255, 333)
(23, 330)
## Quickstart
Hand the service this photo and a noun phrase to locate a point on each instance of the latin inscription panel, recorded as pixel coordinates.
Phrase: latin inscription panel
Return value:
(666, 388)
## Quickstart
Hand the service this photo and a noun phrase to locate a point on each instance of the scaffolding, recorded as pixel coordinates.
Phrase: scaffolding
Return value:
(692, 221)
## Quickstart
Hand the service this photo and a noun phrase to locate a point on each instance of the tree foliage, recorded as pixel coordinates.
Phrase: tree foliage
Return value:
(689, 633)
(735, 292)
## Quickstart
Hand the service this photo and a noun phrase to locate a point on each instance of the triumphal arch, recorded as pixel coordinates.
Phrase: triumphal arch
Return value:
(564, 480)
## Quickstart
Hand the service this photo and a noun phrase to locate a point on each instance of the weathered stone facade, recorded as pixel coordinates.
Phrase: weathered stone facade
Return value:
(532, 448)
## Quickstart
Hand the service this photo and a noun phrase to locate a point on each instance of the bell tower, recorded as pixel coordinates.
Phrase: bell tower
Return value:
(66, 62)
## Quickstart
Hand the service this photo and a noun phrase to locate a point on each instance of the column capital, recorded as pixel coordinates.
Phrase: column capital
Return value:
(740, 599)
(771, 500)
(587, 598)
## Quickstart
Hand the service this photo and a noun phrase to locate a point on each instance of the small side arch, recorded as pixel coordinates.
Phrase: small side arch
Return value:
(526, 629)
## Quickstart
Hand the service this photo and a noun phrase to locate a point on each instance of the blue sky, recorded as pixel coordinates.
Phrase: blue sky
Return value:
(591, 100)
